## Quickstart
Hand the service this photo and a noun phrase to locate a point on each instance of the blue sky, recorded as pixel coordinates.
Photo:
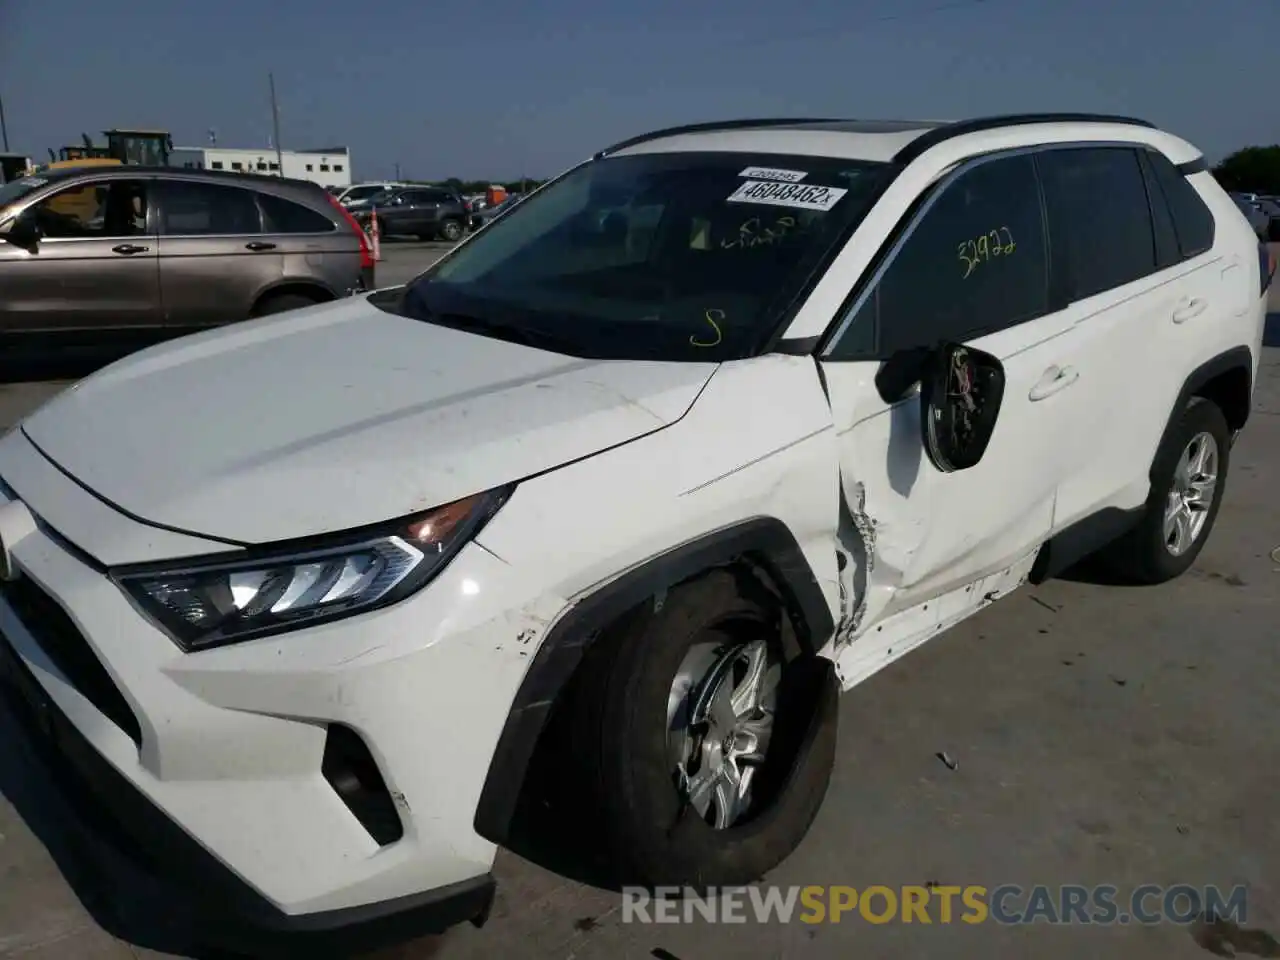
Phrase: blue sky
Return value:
(499, 88)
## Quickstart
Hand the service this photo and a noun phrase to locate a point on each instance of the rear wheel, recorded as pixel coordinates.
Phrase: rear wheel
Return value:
(703, 738)
(1186, 492)
(451, 230)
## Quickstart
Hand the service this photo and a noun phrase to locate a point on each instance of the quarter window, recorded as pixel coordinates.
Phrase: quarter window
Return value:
(193, 209)
(973, 263)
(1191, 218)
(1099, 220)
(108, 208)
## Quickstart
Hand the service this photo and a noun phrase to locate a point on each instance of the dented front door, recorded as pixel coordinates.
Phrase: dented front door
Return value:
(972, 269)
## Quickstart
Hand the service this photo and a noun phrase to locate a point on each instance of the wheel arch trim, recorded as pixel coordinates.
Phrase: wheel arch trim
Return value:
(1237, 358)
(766, 541)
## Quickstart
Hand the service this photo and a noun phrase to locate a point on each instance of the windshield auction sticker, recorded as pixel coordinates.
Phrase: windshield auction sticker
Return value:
(773, 173)
(800, 196)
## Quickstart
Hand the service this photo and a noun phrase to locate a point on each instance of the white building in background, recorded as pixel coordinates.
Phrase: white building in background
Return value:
(330, 167)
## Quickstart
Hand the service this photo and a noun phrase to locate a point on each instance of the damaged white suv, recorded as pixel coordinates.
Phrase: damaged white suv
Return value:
(711, 427)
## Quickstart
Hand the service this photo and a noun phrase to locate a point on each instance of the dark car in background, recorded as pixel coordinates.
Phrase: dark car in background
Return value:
(486, 214)
(429, 213)
(1270, 206)
(135, 249)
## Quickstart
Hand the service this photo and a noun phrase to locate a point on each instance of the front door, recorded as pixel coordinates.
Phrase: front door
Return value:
(972, 269)
(94, 268)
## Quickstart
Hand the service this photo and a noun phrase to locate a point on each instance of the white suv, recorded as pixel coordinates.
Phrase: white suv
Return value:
(714, 426)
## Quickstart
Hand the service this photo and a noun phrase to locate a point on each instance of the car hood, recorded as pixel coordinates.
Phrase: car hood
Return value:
(338, 416)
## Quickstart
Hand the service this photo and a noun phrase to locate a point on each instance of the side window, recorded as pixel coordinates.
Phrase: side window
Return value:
(973, 263)
(285, 216)
(191, 209)
(1191, 218)
(1099, 220)
(1166, 237)
(107, 208)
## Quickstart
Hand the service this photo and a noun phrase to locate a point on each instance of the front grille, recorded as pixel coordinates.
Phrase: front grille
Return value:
(63, 643)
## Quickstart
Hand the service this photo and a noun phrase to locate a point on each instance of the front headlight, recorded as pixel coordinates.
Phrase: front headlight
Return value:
(228, 601)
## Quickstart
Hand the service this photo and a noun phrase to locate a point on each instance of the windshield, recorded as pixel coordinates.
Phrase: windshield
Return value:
(18, 189)
(678, 256)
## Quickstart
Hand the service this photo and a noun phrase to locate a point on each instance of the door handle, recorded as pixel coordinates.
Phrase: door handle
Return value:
(1190, 309)
(128, 249)
(1054, 380)
(257, 246)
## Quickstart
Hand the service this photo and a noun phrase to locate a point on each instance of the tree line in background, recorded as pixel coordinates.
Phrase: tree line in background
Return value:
(1251, 170)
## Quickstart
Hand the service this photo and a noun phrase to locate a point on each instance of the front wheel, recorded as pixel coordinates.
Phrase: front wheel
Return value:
(706, 737)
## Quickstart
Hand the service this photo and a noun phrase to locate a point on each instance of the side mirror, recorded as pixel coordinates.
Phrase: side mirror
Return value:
(24, 232)
(960, 394)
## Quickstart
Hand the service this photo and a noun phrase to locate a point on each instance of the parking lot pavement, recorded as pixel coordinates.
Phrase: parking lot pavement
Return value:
(403, 260)
(1099, 735)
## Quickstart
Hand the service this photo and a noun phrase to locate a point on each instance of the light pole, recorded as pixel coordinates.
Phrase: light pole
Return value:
(4, 130)
(275, 123)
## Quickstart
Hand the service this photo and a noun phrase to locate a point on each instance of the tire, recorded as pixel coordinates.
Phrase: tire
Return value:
(451, 231)
(1145, 554)
(623, 752)
(282, 303)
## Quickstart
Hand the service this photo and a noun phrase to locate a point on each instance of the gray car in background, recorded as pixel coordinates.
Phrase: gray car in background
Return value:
(95, 250)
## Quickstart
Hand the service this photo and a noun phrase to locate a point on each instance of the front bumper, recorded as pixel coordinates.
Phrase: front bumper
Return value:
(231, 747)
(227, 908)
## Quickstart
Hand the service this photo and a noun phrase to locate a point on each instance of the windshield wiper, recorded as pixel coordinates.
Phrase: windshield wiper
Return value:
(536, 339)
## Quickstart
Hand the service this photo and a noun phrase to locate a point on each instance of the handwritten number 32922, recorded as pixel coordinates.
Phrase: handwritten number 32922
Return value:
(996, 243)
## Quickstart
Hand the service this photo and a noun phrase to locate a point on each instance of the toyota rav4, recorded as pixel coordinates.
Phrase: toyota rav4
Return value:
(709, 429)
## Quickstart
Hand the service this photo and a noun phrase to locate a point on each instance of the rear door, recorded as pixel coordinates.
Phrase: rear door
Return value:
(214, 259)
(312, 245)
(95, 268)
(421, 213)
(1139, 293)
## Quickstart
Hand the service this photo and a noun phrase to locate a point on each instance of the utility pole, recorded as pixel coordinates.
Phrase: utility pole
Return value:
(4, 131)
(397, 171)
(275, 124)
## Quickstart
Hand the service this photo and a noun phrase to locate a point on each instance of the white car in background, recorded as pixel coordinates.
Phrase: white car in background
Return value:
(711, 428)
(361, 192)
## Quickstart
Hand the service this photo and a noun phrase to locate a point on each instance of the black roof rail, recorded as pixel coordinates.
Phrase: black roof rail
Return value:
(948, 131)
(710, 126)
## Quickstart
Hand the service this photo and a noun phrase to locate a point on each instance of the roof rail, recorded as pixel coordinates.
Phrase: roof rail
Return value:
(931, 138)
(710, 126)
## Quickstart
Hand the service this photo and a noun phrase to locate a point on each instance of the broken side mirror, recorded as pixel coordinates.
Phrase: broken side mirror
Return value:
(23, 232)
(898, 375)
(960, 394)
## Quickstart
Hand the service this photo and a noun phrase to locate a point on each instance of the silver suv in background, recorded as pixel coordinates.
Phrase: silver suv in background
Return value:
(92, 250)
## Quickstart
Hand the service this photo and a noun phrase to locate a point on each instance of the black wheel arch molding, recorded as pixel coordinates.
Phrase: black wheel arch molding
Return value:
(1212, 380)
(765, 542)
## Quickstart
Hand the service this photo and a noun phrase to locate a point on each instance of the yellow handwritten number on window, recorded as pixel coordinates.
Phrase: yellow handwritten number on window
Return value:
(715, 318)
(995, 243)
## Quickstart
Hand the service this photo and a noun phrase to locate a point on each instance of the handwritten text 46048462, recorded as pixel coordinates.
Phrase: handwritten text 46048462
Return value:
(978, 250)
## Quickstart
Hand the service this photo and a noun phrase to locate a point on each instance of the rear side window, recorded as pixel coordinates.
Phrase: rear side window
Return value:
(191, 209)
(974, 263)
(1099, 220)
(285, 216)
(1191, 218)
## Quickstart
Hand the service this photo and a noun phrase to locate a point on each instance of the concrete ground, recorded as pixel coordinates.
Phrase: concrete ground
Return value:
(1099, 735)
